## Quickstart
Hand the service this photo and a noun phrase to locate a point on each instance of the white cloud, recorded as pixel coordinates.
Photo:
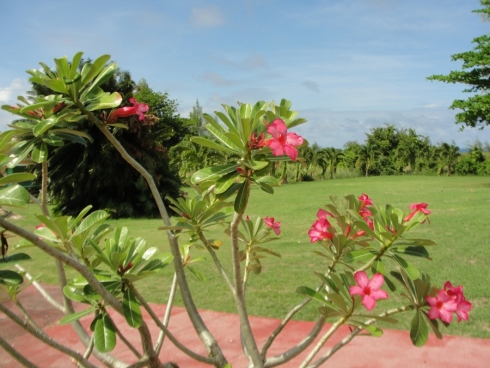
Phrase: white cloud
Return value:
(17, 87)
(210, 17)
(8, 96)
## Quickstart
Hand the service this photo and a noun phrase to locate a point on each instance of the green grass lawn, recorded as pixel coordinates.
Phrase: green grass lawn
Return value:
(460, 224)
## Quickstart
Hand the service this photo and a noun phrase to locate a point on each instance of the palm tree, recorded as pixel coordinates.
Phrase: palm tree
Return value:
(330, 157)
(367, 157)
(448, 154)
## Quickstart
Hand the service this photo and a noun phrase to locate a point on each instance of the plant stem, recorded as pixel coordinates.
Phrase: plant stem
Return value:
(16, 355)
(322, 341)
(181, 347)
(250, 346)
(40, 335)
(354, 333)
(206, 337)
(216, 261)
(166, 317)
(41, 290)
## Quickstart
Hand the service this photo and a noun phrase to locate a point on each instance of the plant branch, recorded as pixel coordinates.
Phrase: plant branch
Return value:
(216, 261)
(166, 317)
(41, 290)
(181, 347)
(16, 355)
(354, 333)
(250, 346)
(299, 348)
(40, 335)
(206, 337)
(323, 340)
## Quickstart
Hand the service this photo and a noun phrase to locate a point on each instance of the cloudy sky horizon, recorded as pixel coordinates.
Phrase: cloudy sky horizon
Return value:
(347, 65)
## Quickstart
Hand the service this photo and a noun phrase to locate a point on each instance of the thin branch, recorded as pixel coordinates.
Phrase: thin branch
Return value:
(354, 333)
(216, 261)
(172, 338)
(323, 340)
(90, 348)
(206, 337)
(166, 317)
(299, 348)
(41, 290)
(40, 335)
(246, 334)
(16, 355)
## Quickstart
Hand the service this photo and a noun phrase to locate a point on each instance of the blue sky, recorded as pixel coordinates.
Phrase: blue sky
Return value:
(346, 65)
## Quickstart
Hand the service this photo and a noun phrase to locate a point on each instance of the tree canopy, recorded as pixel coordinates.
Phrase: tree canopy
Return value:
(475, 74)
(108, 181)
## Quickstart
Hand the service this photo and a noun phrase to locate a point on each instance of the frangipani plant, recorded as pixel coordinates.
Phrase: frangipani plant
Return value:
(366, 246)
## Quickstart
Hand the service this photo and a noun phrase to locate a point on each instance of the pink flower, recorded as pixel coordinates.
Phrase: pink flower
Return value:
(417, 207)
(276, 226)
(137, 109)
(364, 198)
(368, 289)
(463, 306)
(322, 214)
(319, 230)
(442, 306)
(283, 142)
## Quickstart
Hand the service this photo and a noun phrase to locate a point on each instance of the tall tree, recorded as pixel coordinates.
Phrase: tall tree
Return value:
(448, 154)
(109, 182)
(475, 74)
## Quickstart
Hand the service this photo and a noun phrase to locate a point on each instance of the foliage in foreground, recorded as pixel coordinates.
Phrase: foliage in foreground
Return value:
(365, 245)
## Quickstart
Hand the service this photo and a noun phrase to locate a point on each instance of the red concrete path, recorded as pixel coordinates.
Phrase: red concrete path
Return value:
(393, 349)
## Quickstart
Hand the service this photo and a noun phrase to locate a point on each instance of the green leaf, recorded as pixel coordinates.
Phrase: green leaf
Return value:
(419, 332)
(16, 196)
(196, 273)
(76, 316)
(44, 125)
(241, 197)
(104, 334)
(412, 251)
(90, 221)
(310, 293)
(40, 153)
(16, 257)
(106, 101)
(17, 178)
(358, 255)
(131, 309)
(329, 312)
(263, 186)
(269, 180)
(338, 301)
(411, 270)
(8, 277)
(94, 69)
(225, 182)
(212, 173)
(211, 144)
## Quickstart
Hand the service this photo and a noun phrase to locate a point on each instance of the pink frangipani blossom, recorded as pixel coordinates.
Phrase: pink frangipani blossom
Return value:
(368, 289)
(122, 112)
(463, 306)
(417, 207)
(441, 306)
(276, 226)
(283, 142)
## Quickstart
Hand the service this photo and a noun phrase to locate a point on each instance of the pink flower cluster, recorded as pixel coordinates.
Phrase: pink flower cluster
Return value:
(368, 289)
(137, 109)
(447, 301)
(365, 214)
(319, 229)
(276, 226)
(282, 142)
